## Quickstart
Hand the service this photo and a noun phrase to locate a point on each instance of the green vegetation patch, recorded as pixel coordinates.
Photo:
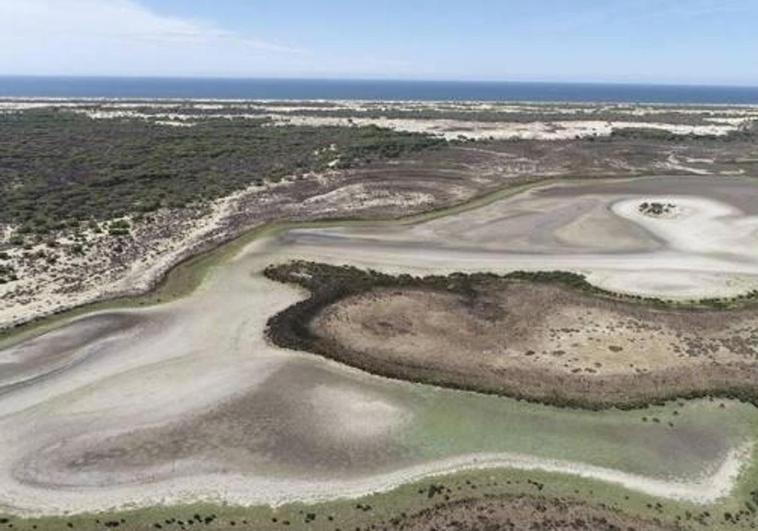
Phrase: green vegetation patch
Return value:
(59, 168)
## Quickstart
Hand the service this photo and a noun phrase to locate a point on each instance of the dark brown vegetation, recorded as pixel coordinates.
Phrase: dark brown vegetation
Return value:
(656, 209)
(7, 273)
(547, 337)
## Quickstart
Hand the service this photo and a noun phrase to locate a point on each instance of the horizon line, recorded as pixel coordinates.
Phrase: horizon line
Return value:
(380, 80)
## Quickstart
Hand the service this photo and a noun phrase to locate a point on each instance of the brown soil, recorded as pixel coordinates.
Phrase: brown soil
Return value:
(503, 513)
(541, 341)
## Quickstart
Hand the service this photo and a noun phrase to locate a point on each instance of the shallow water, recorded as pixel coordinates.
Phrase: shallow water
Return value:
(188, 401)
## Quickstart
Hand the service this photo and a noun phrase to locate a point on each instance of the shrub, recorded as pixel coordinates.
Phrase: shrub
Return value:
(63, 166)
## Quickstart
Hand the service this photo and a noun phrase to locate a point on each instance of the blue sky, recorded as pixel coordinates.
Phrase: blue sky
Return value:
(644, 41)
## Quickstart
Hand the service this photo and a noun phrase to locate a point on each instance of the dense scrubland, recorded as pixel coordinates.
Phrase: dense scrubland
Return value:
(59, 169)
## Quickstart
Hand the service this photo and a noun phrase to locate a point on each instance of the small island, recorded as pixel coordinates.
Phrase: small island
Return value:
(657, 210)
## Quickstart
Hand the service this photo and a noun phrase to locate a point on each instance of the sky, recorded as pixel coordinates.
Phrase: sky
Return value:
(627, 41)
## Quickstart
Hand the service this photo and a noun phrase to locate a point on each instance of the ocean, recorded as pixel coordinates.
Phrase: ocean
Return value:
(300, 89)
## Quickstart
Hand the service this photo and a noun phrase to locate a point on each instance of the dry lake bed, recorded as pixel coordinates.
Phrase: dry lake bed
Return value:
(188, 401)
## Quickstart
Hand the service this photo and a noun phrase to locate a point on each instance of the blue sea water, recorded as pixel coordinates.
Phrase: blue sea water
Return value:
(111, 87)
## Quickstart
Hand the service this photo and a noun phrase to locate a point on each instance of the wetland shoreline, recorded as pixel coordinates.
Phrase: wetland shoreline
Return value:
(194, 274)
(185, 275)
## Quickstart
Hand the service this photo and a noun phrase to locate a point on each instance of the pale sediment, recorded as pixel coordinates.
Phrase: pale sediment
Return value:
(200, 406)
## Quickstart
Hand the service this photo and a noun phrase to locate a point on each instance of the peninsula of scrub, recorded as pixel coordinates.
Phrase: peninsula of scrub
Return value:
(545, 337)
